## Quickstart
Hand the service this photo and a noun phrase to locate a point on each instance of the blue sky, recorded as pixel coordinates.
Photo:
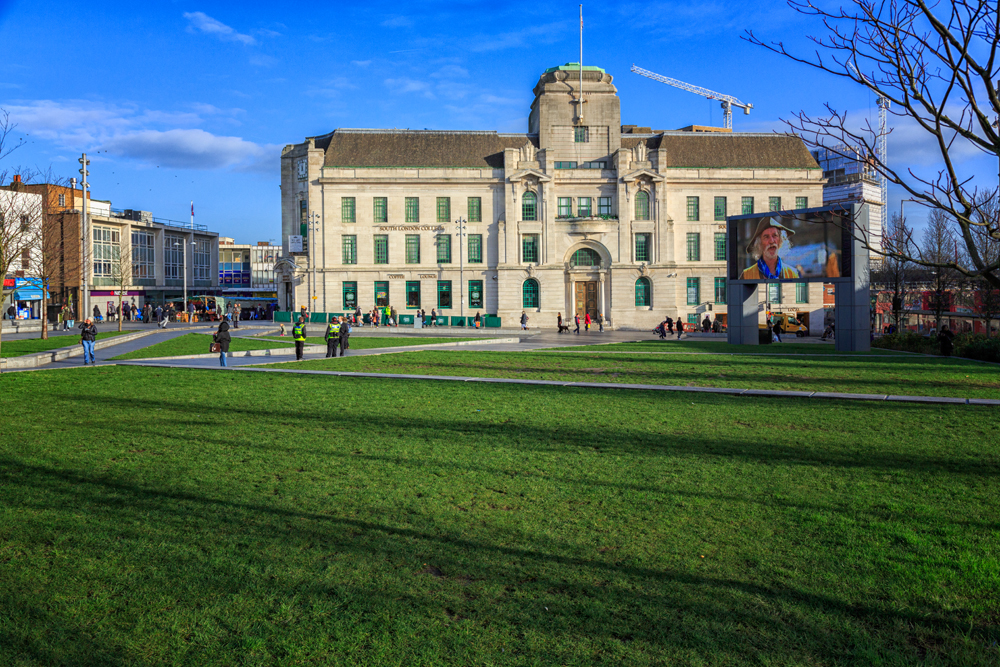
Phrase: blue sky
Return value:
(181, 101)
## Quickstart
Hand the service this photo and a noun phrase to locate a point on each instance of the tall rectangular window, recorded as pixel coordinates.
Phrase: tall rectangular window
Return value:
(380, 209)
(801, 292)
(475, 249)
(802, 202)
(475, 209)
(720, 208)
(201, 260)
(693, 214)
(62, 200)
(303, 217)
(746, 207)
(604, 206)
(583, 207)
(107, 251)
(694, 247)
(381, 293)
(720, 246)
(412, 293)
(529, 206)
(412, 205)
(143, 258)
(643, 244)
(565, 207)
(475, 294)
(774, 203)
(350, 295)
(720, 290)
(693, 291)
(172, 258)
(444, 248)
(444, 209)
(381, 248)
(413, 248)
(349, 248)
(581, 135)
(529, 248)
(774, 292)
(347, 210)
(444, 294)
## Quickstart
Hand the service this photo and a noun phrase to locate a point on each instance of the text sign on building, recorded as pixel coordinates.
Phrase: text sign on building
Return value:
(295, 243)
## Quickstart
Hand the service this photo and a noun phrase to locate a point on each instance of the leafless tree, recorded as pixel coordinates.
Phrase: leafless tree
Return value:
(937, 65)
(981, 297)
(938, 249)
(20, 226)
(892, 272)
(121, 271)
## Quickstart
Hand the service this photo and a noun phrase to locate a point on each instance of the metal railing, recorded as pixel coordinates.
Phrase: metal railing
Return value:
(120, 213)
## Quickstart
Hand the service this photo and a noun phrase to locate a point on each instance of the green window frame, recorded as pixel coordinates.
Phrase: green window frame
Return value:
(604, 206)
(643, 246)
(774, 203)
(693, 209)
(643, 293)
(349, 248)
(581, 135)
(720, 246)
(380, 209)
(381, 293)
(529, 248)
(475, 249)
(720, 290)
(350, 293)
(565, 209)
(565, 165)
(801, 292)
(348, 211)
(529, 206)
(694, 247)
(412, 205)
(443, 243)
(381, 243)
(413, 248)
(693, 292)
(720, 209)
(584, 207)
(692, 319)
(530, 294)
(444, 294)
(475, 294)
(746, 206)
(412, 293)
(774, 292)
(642, 205)
(802, 202)
(444, 209)
(303, 218)
(585, 257)
(475, 209)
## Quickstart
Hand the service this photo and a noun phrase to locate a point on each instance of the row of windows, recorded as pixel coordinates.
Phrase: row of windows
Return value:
(413, 294)
(107, 255)
(411, 209)
(694, 247)
(746, 206)
(474, 254)
(801, 292)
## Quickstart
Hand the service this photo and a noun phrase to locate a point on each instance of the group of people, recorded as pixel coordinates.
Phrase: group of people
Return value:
(561, 328)
(666, 327)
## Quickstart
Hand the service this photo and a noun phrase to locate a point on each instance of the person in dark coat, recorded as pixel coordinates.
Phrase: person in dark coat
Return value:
(88, 335)
(345, 332)
(946, 339)
(223, 338)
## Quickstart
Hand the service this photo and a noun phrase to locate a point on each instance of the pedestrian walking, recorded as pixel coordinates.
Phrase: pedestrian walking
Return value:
(586, 322)
(680, 328)
(576, 320)
(11, 312)
(706, 325)
(88, 335)
(946, 340)
(524, 321)
(332, 337)
(776, 329)
(97, 313)
(345, 332)
(600, 321)
(222, 339)
(478, 319)
(299, 336)
(559, 325)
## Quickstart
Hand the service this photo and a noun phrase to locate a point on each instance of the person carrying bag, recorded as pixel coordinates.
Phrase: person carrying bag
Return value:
(220, 343)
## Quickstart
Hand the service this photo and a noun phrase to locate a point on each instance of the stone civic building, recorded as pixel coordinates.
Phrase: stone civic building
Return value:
(579, 214)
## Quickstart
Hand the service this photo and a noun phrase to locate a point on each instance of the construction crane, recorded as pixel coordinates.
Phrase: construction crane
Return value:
(881, 148)
(728, 101)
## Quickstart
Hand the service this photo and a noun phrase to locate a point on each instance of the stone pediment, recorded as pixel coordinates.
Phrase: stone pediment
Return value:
(640, 174)
(529, 173)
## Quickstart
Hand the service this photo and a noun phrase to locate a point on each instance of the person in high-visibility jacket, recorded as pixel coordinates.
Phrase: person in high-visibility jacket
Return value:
(299, 336)
(332, 337)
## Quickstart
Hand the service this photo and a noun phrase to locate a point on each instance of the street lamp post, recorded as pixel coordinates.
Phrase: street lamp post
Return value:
(313, 225)
(84, 234)
(460, 227)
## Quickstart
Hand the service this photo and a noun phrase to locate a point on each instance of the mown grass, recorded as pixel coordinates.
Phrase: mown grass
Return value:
(283, 519)
(907, 374)
(22, 347)
(366, 342)
(196, 343)
(675, 346)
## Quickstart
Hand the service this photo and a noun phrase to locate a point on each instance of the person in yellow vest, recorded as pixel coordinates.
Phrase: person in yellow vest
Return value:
(332, 337)
(299, 336)
(767, 240)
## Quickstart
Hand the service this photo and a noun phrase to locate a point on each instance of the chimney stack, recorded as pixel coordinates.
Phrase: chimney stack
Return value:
(17, 178)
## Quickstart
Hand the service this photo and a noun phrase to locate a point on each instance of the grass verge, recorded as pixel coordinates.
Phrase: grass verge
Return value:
(371, 342)
(907, 374)
(720, 347)
(20, 348)
(316, 520)
(196, 343)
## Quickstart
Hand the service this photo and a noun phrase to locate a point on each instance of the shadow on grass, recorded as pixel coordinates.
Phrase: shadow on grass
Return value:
(182, 576)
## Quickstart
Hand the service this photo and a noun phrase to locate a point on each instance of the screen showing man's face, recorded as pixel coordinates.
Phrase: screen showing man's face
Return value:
(770, 241)
(804, 247)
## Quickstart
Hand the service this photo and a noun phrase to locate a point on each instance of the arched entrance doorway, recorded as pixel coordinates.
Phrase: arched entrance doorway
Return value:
(587, 265)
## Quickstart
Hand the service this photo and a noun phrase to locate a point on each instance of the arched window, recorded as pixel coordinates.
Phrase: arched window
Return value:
(585, 257)
(642, 205)
(643, 292)
(530, 297)
(529, 206)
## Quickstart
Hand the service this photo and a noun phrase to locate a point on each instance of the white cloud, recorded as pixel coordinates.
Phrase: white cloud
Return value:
(397, 22)
(530, 36)
(191, 149)
(361, 63)
(202, 22)
(451, 72)
(405, 85)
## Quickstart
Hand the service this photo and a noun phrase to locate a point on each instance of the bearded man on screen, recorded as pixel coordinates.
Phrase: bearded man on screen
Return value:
(767, 240)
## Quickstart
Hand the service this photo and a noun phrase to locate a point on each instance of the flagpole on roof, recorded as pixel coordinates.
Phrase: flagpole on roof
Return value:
(192, 215)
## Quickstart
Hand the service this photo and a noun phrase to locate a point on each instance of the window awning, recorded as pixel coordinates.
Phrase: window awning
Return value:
(28, 295)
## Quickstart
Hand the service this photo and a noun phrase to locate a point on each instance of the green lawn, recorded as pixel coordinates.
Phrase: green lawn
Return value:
(371, 342)
(675, 346)
(905, 374)
(195, 343)
(176, 516)
(19, 348)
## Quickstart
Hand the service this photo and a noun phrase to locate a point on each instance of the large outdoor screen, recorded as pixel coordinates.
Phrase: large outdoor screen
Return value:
(797, 246)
